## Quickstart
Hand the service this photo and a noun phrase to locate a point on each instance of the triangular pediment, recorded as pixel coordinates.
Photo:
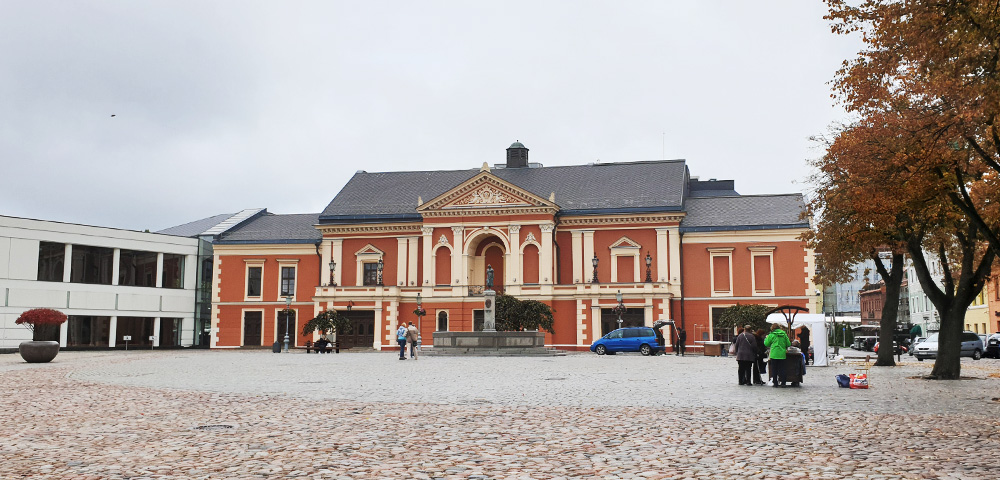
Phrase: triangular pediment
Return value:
(369, 250)
(485, 191)
(625, 242)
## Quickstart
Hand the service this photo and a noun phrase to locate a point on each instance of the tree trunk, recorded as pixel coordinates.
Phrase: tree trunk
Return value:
(887, 324)
(948, 363)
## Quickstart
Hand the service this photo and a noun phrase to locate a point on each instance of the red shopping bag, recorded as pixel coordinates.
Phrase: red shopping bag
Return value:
(859, 380)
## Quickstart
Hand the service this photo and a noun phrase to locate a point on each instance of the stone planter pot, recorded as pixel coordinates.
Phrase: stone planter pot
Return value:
(38, 352)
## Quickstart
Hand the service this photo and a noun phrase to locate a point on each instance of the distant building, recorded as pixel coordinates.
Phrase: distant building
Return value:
(115, 285)
(993, 299)
(675, 247)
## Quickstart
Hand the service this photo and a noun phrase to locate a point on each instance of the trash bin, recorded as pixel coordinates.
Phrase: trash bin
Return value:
(713, 349)
(276, 348)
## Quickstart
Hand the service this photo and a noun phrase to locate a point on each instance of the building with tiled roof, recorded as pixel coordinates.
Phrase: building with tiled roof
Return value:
(677, 249)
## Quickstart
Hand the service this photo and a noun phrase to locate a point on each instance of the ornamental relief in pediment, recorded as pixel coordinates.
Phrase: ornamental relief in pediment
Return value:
(486, 196)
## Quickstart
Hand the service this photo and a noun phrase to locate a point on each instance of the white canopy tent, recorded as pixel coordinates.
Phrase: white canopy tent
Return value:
(816, 323)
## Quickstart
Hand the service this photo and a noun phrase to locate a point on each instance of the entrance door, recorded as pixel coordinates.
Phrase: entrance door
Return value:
(632, 317)
(251, 328)
(290, 322)
(361, 333)
(478, 320)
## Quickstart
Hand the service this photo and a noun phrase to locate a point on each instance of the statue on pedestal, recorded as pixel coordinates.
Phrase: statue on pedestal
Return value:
(489, 277)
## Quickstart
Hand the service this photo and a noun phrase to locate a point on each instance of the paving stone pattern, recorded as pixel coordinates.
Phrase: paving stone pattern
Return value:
(228, 414)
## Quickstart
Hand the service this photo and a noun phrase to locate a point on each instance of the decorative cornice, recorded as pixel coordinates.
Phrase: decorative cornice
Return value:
(619, 219)
(368, 228)
(465, 212)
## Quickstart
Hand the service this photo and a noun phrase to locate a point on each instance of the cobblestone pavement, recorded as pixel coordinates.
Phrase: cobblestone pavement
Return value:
(228, 414)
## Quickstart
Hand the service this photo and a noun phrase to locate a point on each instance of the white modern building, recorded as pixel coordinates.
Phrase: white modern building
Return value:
(115, 285)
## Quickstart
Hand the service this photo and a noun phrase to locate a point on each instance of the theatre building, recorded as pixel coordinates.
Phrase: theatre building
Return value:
(675, 248)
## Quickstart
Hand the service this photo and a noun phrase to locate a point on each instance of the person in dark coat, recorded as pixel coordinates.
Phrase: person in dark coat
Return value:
(681, 339)
(760, 365)
(746, 354)
(804, 342)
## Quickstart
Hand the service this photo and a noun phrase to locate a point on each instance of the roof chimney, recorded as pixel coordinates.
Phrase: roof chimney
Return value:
(517, 155)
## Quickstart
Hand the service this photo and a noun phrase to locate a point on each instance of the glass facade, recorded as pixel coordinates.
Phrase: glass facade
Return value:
(170, 332)
(51, 258)
(91, 265)
(203, 294)
(137, 269)
(173, 270)
(87, 331)
(139, 328)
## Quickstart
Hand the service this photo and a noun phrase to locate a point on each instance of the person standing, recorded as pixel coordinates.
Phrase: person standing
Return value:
(681, 339)
(778, 343)
(746, 354)
(413, 335)
(804, 341)
(401, 340)
(759, 365)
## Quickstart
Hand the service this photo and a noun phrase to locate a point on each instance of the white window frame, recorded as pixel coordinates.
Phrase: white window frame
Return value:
(253, 263)
(292, 263)
(755, 252)
(447, 314)
(726, 252)
(368, 254)
(624, 247)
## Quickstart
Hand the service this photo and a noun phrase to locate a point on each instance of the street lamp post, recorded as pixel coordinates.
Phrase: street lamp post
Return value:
(594, 262)
(288, 313)
(649, 272)
(620, 308)
(420, 308)
(380, 265)
(333, 277)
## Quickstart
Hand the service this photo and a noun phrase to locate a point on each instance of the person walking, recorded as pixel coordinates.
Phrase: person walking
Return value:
(681, 339)
(778, 343)
(413, 336)
(758, 364)
(746, 354)
(401, 340)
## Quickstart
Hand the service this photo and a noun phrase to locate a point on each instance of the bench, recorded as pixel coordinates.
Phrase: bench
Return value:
(330, 347)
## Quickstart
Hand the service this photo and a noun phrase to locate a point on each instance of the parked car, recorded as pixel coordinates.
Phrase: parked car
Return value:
(629, 339)
(992, 346)
(913, 346)
(972, 346)
(899, 349)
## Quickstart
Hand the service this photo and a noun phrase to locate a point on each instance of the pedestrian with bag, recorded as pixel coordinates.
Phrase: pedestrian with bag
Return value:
(745, 347)
(681, 338)
(777, 341)
(401, 340)
(413, 336)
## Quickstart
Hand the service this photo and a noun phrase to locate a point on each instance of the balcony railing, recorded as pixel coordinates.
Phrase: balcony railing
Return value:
(477, 290)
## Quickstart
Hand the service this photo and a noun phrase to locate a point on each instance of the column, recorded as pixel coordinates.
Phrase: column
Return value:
(68, 263)
(187, 332)
(647, 312)
(116, 261)
(337, 255)
(513, 266)
(674, 238)
(189, 271)
(595, 321)
(379, 326)
(401, 245)
(412, 275)
(159, 270)
(113, 332)
(577, 255)
(662, 256)
(545, 256)
(325, 256)
(588, 255)
(156, 331)
(429, 263)
(458, 258)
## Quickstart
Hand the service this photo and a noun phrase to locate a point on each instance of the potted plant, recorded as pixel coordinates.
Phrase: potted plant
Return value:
(42, 322)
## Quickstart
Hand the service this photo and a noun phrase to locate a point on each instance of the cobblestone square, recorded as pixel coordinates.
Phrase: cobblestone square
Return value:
(253, 414)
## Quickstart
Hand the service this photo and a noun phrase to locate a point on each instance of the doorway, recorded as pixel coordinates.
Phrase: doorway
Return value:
(289, 320)
(361, 332)
(252, 328)
(633, 317)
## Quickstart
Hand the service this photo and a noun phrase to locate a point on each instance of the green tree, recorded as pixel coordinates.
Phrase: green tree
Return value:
(739, 315)
(513, 315)
(329, 321)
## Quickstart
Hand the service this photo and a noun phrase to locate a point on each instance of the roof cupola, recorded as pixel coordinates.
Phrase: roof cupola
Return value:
(517, 155)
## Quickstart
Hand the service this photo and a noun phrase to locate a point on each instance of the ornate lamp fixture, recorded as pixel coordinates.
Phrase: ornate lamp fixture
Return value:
(594, 262)
(380, 265)
(288, 314)
(649, 263)
(620, 308)
(333, 278)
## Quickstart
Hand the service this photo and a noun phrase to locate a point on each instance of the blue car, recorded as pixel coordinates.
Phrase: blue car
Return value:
(630, 339)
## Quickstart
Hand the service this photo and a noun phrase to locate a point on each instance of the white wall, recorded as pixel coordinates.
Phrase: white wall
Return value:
(20, 291)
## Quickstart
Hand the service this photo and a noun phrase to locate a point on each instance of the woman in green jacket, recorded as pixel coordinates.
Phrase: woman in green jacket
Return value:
(777, 341)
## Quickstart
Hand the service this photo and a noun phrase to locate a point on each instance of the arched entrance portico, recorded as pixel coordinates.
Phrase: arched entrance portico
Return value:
(487, 249)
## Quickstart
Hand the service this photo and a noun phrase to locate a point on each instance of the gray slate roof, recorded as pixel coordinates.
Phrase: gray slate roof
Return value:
(271, 228)
(195, 228)
(579, 189)
(748, 212)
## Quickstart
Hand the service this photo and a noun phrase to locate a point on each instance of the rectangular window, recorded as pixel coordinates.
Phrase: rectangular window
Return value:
(370, 274)
(170, 332)
(173, 270)
(721, 266)
(51, 258)
(137, 269)
(91, 265)
(287, 281)
(87, 331)
(253, 281)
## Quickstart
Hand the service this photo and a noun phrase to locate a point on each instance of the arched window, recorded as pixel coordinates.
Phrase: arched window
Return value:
(442, 322)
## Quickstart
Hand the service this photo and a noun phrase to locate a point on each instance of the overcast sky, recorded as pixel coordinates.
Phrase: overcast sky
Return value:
(221, 106)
